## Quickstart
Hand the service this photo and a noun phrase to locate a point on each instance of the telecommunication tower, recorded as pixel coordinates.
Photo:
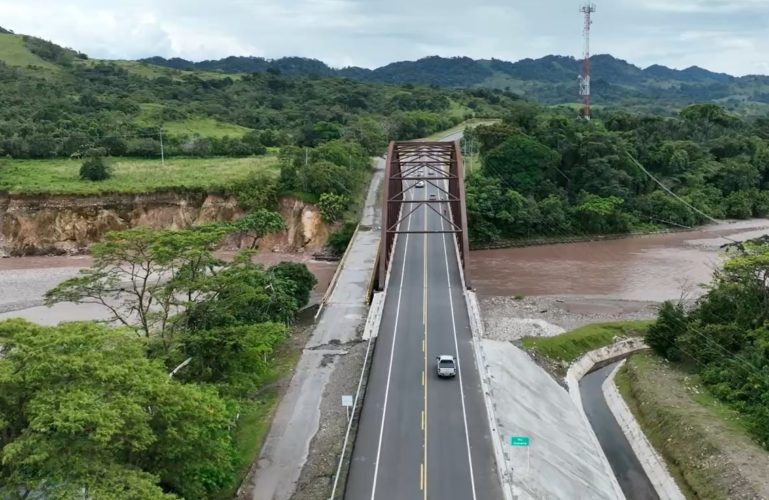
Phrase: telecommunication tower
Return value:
(584, 80)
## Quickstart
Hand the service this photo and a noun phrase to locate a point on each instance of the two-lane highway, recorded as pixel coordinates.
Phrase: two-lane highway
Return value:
(420, 436)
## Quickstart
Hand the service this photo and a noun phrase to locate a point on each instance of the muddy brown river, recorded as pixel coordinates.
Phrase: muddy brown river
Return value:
(647, 268)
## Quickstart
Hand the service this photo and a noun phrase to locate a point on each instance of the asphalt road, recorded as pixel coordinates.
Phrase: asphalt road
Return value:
(421, 436)
(631, 476)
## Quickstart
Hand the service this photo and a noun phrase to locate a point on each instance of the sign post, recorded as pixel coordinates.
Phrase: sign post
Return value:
(347, 403)
(523, 442)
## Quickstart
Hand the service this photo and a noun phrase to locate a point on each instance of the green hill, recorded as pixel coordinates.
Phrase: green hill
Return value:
(55, 102)
(15, 52)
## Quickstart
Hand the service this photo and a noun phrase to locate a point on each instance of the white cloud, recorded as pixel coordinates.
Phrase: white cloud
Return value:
(723, 35)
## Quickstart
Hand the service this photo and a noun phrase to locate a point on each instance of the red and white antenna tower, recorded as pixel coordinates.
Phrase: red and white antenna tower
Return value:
(584, 79)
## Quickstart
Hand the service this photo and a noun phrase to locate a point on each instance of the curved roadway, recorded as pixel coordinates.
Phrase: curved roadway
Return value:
(419, 436)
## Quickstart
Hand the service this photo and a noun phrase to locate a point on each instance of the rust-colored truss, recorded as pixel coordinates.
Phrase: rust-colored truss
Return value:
(444, 161)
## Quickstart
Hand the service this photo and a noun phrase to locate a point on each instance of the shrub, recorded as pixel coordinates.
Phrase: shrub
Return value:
(95, 168)
(339, 240)
(332, 206)
(663, 334)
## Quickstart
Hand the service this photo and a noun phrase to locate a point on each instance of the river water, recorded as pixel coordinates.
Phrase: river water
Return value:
(646, 268)
(24, 281)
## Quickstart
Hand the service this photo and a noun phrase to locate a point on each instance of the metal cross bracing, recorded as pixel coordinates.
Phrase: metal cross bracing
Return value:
(437, 164)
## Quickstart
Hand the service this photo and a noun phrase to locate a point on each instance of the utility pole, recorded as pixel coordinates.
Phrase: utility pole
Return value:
(584, 79)
(162, 152)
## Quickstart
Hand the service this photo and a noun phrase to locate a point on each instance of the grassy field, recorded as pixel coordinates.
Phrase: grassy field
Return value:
(149, 116)
(131, 175)
(571, 345)
(204, 127)
(706, 444)
(13, 52)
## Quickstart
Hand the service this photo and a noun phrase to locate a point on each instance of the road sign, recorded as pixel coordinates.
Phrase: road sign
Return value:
(346, 400)
(519, 441)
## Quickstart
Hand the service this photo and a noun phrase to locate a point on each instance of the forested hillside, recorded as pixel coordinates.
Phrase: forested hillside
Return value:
(54, 102)
(545, 173)
(551, 79)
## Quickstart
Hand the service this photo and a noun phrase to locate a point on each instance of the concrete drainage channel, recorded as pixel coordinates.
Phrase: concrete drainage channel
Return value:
(636, 468)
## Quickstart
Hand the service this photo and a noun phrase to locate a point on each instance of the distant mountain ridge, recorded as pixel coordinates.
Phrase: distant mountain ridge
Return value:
(449, 71)
(551, 79)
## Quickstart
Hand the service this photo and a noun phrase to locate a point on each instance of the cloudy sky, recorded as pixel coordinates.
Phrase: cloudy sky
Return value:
(722, 35)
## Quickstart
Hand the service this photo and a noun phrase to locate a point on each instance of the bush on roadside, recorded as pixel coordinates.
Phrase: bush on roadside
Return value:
(339, 240)
(663, 334)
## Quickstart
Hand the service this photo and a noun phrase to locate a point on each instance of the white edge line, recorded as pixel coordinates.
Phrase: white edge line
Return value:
(349, 423)
(390, 367)
(459, 365)
(459, 362)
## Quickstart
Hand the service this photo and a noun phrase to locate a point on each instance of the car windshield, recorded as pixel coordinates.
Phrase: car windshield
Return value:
(446, 363)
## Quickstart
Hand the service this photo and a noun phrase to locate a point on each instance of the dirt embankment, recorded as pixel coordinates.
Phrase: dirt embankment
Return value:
(711, 453)
(43, 225)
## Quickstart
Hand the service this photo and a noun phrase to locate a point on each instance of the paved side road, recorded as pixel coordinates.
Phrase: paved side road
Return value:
(297, 418)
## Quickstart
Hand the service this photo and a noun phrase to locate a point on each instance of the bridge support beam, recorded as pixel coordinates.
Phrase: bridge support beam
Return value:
(441, 165)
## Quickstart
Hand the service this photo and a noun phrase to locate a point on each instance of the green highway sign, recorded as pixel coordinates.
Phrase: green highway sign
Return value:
(519, 441)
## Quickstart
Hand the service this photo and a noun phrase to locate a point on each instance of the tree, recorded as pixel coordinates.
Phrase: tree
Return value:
(304, 281)
(521, 163)
(126, 428)
(234, 358)
(144, 276)
(343, 153)
(325, 177)
(259, 223)
(333, 206)
(242, 293)
(663, 334)
(95, 168)
(601, 215)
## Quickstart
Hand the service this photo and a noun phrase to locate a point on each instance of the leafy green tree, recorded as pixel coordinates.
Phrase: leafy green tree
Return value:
(555, 216)
(332, 206)
(259, 224)
(304, 281)
(371, 134)
(343, 153)
(601, 215)
(739, 205)
(236, 359)
(241, 293)
(126, 428)
(140, 276)
(663, 334)
(325, 177)
(521, 163)
(258, 191)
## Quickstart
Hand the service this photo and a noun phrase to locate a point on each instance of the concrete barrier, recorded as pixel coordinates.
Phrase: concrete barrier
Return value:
(504, 469)
(335, 278)
(654, 466)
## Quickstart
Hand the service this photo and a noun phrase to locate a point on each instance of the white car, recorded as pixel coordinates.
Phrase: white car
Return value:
(446, 366)
(421, 184)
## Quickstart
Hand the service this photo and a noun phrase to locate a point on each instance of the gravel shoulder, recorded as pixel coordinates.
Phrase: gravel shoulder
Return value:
(317, 476)
(510, 319)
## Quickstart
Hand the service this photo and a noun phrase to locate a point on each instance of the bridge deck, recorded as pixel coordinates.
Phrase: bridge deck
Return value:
(420, 436)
